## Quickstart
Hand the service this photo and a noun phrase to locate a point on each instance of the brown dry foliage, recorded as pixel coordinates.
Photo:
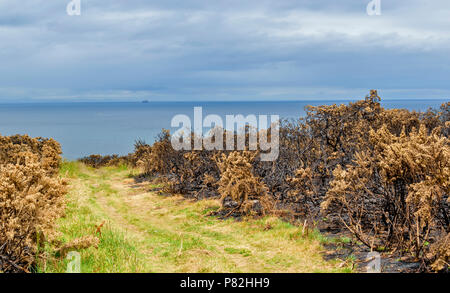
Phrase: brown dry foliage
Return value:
(191, 173)
(47, 150)
(31, 198)
(440, 255)
(78, 244)
(394, 195)
(160, 158)
(238, 183)
(321, 154)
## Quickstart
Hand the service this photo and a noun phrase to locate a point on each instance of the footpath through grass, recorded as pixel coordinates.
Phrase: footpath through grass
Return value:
(146, 232)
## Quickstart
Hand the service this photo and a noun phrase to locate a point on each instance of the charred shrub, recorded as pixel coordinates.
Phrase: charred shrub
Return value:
(395, 194)
(98, 161)
(191, 173)
(198, 175)
(249, 195)
(382, 174)
(438, 258)
(328, 136)
(160, 158)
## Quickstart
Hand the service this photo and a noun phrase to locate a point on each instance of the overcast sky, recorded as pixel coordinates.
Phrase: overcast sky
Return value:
(223, 50)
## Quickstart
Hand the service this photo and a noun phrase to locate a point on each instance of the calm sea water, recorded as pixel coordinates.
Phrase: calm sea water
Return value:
(111, 128)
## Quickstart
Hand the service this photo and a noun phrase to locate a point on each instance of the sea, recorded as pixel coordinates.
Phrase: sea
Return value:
(85, 128)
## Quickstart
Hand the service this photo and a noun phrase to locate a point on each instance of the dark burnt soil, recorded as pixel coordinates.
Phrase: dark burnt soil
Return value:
(341, 246)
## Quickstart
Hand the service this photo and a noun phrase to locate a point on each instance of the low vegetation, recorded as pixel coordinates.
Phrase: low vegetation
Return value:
(98, 161)
(141, 230)
(31, 199)
(382, 175)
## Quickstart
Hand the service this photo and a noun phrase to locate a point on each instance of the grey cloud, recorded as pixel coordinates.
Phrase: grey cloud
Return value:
(222, 49)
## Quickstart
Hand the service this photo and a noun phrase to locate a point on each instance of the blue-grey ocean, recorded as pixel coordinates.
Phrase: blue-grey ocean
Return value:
(112, 127)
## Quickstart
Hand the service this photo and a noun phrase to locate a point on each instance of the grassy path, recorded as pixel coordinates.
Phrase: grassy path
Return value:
(147, 232)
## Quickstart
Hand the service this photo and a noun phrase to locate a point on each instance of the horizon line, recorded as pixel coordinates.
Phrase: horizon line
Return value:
(145, 101)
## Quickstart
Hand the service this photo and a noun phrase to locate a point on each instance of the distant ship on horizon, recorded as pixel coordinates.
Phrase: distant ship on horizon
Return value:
(145, 101)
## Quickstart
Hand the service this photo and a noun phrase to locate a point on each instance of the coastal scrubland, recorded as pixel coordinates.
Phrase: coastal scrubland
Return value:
(381, 174)
(381, 177)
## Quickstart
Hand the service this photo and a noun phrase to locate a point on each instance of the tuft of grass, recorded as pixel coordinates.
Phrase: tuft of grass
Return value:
(73, 170)
(335, 240)
(242, 251)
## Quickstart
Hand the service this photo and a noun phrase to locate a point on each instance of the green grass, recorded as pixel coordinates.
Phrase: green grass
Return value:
(335, 240)
(105, 188)
(115, 253)
(243, 251)
(73, 169)
(146, 232)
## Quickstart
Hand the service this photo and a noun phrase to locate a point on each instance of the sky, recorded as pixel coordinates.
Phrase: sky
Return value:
(223, 50)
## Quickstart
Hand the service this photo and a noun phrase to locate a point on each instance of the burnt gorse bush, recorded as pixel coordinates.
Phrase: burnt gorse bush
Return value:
(395, 195)
(98, 161)
(31, 199)
(48, 151)
(239, 184)
(382, 174)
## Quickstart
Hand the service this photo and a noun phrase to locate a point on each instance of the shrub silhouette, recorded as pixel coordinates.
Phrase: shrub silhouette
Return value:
(98, 161)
